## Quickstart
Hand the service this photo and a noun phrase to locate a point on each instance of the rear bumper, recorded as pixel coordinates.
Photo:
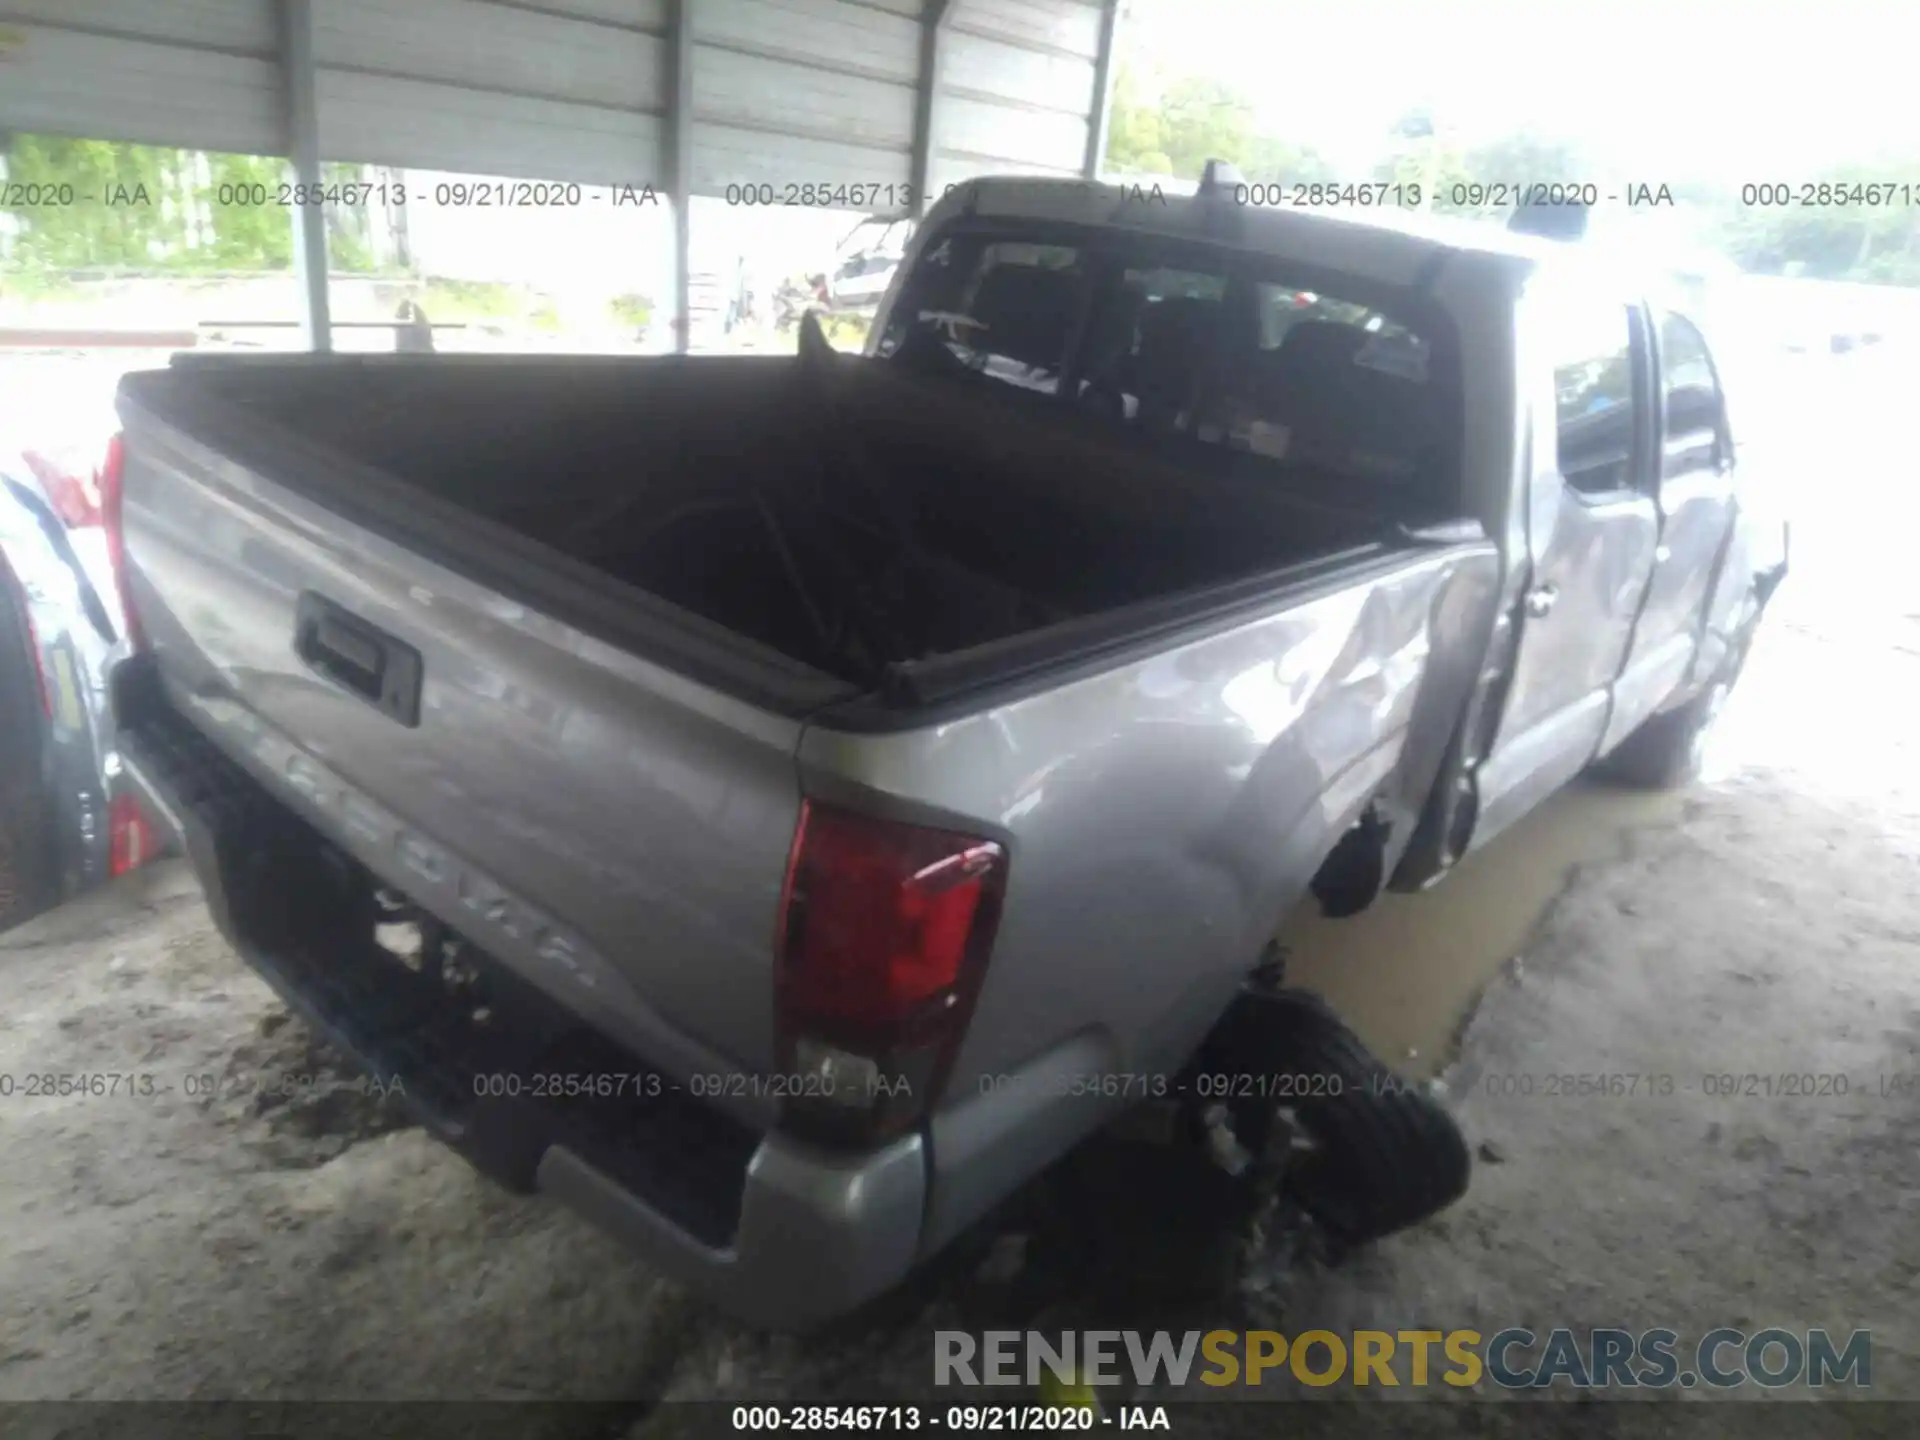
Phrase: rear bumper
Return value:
(770, 1229)
(818, 1233)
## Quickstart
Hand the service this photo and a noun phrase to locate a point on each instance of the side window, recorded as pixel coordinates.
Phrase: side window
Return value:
(1593, 395)
(1689, 399)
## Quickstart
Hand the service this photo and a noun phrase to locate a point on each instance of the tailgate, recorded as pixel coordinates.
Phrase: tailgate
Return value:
(612, 828)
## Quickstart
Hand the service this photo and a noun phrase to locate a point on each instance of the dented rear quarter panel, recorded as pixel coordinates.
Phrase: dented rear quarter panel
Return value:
(1163, 813)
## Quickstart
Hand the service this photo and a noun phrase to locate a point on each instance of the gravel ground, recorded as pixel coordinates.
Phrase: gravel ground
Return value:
(210, 1235)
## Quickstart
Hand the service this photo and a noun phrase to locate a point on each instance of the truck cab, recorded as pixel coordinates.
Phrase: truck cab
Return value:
(1635, 565)
(1578, 404)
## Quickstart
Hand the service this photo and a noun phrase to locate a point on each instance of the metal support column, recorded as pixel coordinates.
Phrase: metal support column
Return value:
(680, 171)
(1102, 91)
(303, 149)
(933, 23)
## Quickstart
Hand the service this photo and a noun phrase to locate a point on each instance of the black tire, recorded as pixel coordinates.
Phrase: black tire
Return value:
(1666, 751)
(1386, 1154)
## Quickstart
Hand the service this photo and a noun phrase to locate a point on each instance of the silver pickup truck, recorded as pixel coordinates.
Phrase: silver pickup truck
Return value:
(777, 806)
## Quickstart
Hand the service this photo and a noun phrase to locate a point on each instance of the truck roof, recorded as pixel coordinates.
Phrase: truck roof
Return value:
(1388, 244)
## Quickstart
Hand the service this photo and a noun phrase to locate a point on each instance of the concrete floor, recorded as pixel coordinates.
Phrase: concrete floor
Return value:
(233, 1243)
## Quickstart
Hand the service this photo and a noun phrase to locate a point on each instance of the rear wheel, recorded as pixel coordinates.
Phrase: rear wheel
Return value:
(1361, 1149)
(1194, 1195)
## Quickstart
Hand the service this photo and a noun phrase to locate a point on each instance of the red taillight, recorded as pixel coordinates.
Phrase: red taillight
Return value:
(879, 917)
(111, 486)
(131, 841)
(75, 498)
(884, 933)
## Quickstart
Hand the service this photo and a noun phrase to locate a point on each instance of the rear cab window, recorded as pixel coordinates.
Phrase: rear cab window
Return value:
(1005, 309)
(1221, 354)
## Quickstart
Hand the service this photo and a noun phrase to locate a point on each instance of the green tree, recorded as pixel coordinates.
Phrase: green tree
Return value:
(1526, 160)
(1848, 238)
(140, 207)
(88, 230)
(1133, 128)
(1174, 126)
(1419, 153)
(1468, 179)
(240, 235)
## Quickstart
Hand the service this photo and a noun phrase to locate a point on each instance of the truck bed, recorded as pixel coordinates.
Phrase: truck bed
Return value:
(841, 513)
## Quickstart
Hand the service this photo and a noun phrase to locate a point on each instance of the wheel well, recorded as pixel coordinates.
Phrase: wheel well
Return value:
(1355, 870)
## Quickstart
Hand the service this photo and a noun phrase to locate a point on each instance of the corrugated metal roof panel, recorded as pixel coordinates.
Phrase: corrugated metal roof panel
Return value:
(784, 91)
(66, 82)
(1072, 26)
(828, 33)
(241, 26)
(635, 14)
(998, 70)
(499, 48)
(986, 131)
(725, 155)
(382, 120)
(786, 100)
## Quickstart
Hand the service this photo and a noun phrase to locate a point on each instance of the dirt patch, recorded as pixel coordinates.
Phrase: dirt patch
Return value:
(1407, 971)
(261, 1238)
(295, 1099)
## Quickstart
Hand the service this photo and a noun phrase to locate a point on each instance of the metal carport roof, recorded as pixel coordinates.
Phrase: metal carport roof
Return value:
(692, 97)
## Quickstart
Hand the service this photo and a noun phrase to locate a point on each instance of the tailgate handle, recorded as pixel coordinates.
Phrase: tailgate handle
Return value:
(358, 657)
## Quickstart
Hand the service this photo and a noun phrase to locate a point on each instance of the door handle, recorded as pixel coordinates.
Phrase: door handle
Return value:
(360, 658)
(1540, 601)
(1662, 554)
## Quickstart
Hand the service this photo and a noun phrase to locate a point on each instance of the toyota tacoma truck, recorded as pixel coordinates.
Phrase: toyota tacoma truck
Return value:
(777, 806)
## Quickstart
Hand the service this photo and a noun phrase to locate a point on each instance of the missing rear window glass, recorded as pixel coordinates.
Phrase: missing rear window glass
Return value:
(1004, 310)
(1193, 344)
